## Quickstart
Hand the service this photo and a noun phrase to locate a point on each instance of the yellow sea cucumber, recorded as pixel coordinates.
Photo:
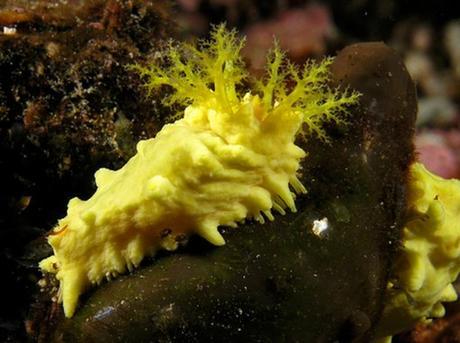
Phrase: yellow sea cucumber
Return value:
(231, 157)
(430, 258)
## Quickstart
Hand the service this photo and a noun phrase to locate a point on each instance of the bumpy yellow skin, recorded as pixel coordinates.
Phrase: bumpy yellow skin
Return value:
(205, 170)
(430, 259)
(231, 157)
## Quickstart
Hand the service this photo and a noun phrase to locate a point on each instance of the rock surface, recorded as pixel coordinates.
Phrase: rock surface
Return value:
(66, 108)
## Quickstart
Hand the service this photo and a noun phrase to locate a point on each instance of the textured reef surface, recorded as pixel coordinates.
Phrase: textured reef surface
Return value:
(65, 111)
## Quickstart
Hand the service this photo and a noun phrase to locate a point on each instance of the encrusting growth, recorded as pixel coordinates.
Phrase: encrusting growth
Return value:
(231, 157)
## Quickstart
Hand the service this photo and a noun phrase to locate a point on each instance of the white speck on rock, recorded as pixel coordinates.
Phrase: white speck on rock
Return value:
(9, 30)
(320, 227)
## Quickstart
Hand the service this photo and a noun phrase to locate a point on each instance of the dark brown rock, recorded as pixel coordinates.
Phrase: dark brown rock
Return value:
(68, 105)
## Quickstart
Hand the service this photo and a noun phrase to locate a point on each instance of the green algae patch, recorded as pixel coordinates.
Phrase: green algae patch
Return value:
(231, 157)
(430, 257)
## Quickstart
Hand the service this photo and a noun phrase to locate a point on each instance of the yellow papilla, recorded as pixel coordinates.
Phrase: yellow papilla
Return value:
(231, 157)
(430, 258)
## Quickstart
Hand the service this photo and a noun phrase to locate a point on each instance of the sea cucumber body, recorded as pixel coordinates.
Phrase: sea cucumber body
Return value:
(203, 171)
(429, 262)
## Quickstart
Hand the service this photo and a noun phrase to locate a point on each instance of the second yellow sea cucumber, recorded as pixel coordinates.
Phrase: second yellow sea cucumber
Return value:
(429, 261)
(231, 157)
